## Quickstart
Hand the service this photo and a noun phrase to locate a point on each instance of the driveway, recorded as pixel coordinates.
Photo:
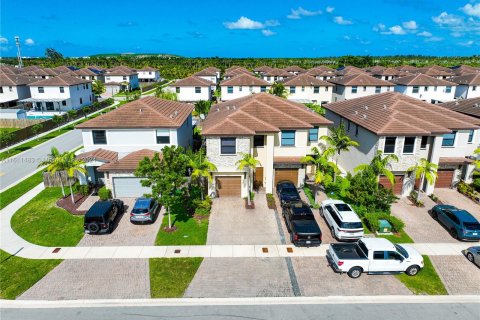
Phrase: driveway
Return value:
(455, 198)
(459, 275)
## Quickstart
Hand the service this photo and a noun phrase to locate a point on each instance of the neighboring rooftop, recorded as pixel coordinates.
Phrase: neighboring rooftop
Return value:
(472, 79)
(192, 81)
(469, 107)
(262, 69)
(244, 79)
(129, 162)
(121, 71)
(98, 154)
(147, 68)
(61, 80)
(421, 79)
(207, 72)
(14, 79)
(294, 69)
(361, 79)
(305, 79)
(275, 72)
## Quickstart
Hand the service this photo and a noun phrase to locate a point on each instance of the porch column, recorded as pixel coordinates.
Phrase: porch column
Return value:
(434, 158)
(470, 167)
(268, 166)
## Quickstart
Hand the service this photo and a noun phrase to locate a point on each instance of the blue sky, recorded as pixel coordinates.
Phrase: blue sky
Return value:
(243, 28)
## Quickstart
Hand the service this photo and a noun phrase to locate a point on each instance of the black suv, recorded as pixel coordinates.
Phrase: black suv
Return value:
(101, 216)
(287, 192)
(304, 230)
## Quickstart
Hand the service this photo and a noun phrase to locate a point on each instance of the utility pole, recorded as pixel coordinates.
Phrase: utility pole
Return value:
(19, 55)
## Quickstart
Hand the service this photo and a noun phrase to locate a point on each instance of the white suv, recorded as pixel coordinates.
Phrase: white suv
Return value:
(343, 222)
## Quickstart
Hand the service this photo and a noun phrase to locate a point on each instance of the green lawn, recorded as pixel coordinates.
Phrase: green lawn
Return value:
(41, 222)
(403, 237)
(426, 281)
(169, 278)
(15, 192)
(18, 274)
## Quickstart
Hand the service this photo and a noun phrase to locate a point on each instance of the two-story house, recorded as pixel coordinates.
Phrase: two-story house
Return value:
(387, 73)
(294, 69)
(358, 85)
(436, 72)
(60, 94)
(304, 88)
(41, 73)
(13, 87)
(88, 74)
(148, 74)
(261, 70)
(468, 86)
(192, 89)
(114, 143)
(348, 71)
(276, 131)
(321, 72)
(426, 88)
(276, 75)
(411, 129)
(211, 74)
(121, 78)
(234, 71)
(242, 85)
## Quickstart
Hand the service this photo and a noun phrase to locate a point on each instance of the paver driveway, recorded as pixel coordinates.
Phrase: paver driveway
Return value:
(455, 198)
(459, 275)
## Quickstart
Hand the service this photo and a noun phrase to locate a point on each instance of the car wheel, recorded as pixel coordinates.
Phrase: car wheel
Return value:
(355, 272)
(291, 238)
(434, 215)
(93, 227)
(110, 227)
(454, 233)
(321, 211)
(470, 257)
(413, 270)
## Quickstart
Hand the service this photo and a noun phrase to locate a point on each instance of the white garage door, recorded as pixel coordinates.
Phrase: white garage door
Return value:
(129, 187)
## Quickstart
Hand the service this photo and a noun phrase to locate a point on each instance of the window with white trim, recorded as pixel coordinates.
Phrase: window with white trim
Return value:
(163, 136)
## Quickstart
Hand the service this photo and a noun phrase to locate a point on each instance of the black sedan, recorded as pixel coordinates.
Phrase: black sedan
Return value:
(287, 192)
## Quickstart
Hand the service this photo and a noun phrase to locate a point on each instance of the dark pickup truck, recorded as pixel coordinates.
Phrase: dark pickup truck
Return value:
(304, 230)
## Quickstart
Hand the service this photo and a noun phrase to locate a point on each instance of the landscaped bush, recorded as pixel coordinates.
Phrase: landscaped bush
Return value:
(310, 197)
(467, 190)
(414, 198)
(476, 184)
(371, 220)
(202, 207)
(270, 201)
(339, 187)
(104, 193)
(82, 189)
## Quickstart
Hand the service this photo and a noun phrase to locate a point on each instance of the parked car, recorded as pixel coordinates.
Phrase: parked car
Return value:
(343, 222)
(301, 224)
(144, 210)
(460, 223)
(100, 218)
(373, 256)
(473, 255)
(287, 192)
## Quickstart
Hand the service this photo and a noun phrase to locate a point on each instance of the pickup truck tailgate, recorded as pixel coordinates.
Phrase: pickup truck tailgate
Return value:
(332, 258)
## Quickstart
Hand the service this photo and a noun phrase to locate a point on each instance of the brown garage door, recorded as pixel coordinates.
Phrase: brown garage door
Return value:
(228, 186)
(444, 179)
(286, 174)
(397, 187)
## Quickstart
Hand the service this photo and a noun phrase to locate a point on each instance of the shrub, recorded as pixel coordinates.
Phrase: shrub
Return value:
(82, 189)
(202, 207)
(104, 193)
(371, 220)
(310, 197)
(476, 184)
(270, 201)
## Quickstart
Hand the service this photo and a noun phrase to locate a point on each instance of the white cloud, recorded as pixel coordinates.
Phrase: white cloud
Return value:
(244, 23)
(433, 39)
(410, 25)
(456, 34)
(447, 19)
(467, 43)
(457, 25)
(268, 32)
(347, 37)
(397, 30)
(29, 42)
(329, 9)
(379, 27)
(424, 34)
(3, 40)
(472, 10)
(300, 12)
(271, 23)
(342, 21)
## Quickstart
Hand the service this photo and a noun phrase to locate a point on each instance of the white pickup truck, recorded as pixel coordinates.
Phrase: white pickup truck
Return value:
(373, 256)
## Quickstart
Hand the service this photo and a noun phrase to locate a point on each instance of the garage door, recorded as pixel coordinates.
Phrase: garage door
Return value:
(129, 187)
(444, 179)
(286, 174)
(229, 186)
(397, 187)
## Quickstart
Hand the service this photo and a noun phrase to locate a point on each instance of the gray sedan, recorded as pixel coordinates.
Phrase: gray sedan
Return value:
(473, 255)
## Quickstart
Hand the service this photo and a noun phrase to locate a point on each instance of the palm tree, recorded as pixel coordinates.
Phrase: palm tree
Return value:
(278, 89)
(477, 162)
(380, 165)
(71, 165)
(98, 87)
(424, 170)
(202, 107)
(322, 167)
(248, 163)
(201, 169)
(54, 163)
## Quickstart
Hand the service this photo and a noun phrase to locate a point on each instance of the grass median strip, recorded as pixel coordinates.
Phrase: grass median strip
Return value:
(15, 192)
(41, 222)
(169, 278)
(426, 281)
(17, 274)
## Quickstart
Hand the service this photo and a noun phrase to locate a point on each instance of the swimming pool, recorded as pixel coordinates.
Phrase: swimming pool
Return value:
(39, 117)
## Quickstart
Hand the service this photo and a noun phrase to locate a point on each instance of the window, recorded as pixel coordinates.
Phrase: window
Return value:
(124, 78)
(99, 136)
(62, 90)
(10, 89)
(415, 89)
(163, 136)
(449, 139)
(378, 89)
(364, 89)
(86, 86)
(378, 255)
(313, 134)
(356, 130)
(435, 88)
(448, 89)
(64, 103)
(288, 138)
(316, 89)
(108, 78)
(251, 88)
(177, 89)
(474, 88)
(303, 88)
(423, 143)
(81, 100)
(471, 133)
(409, 145)
(258, 141)
(41, 90)
(348, 125)
(268, 79)
(240, 88)
(393, 255)
(326, 89)
(425, 89)
(263, 89)
(198, 90)
(1, 89)
(227, 145)
(389, 145)
(354, 89)
(292, 89)
(229, 89)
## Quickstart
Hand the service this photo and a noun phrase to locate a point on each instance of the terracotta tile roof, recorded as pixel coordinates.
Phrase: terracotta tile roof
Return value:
(294, 69)
(421, 79)
(10, 69)
(61, 80)
(463, 69)
(236, 68)
(388, 72)
(64, 69)
(454, 160)
(472, 79)
(235, 72)
(121, 71)
(469, 107)
(192, 81)
(275, 72)
(374, 69)
(392, 113)
(287, 160)
(259, 113)
(14, 79)
(306, 80)
(320, 71)
(86, 72)
(435, 71)
(407, 68)
(30, 68)
(147, 68)
(148, 112)
(98, 154)
(129, 162)
(244, 79)
(349, 70)
(361, 79)
(42, 72)
(207, 72)
(262, 69)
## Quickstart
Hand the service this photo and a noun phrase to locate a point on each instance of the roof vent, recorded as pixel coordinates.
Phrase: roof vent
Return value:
(176, 112)
(140, 110)
(356, 112)
(366, 107)
(364, 116)
(476, 105)
(384, 107)
(218, 109)
(456, 103)
(233, 107)
(228, 107)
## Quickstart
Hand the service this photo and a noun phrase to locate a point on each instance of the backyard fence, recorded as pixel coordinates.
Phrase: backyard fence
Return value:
(18, 123)
(56, 179)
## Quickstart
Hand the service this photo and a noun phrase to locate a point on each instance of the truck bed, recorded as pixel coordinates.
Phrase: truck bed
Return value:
(348, 251)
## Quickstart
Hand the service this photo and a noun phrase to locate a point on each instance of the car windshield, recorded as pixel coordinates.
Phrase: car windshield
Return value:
(139, 210)
(401, 250)
(351, 225)
(471, 225)
(342, 207)
(303, 217)
(289, 191)
(93, 219)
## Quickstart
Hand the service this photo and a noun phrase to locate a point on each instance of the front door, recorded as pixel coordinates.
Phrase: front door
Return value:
(50, 106)
(258, 178)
